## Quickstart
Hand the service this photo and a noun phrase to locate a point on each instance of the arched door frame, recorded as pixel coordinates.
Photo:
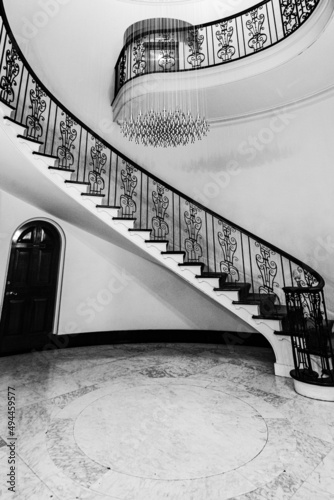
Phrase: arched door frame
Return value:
(60, 269)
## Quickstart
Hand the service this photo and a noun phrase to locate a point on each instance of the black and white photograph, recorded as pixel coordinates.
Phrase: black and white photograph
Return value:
(166, 250)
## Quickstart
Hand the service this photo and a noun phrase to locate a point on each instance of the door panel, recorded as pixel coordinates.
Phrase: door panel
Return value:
(43, 267)
(30, 296)
(39, 315)
(14, 317)
(21, 266)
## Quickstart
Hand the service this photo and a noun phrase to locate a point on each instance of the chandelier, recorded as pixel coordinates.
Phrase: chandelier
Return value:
(165, 128)
(168, 113)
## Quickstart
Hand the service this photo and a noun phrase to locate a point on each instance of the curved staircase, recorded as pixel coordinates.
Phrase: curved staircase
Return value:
(275, 293)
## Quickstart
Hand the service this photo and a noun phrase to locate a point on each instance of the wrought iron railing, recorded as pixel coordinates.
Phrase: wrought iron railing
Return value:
(311, 333)
(206, 45)
(204, 236)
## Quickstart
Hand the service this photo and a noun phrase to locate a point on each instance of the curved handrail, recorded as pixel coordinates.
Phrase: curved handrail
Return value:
(211, 44)
(112, 175)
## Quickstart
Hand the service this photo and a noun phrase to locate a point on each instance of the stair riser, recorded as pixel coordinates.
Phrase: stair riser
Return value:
(214, 282)
(144, 235)
(32, 146)
(81, 188)
(194, 270)
(129, 224)
(15, 129)
(252, 309)
(178, 258)
(161, 247)
(61, 173)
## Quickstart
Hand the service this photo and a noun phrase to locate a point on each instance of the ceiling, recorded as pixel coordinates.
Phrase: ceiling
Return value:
(59, 44)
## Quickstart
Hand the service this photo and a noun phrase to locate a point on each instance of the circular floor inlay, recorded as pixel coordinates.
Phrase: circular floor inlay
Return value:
(170, 432)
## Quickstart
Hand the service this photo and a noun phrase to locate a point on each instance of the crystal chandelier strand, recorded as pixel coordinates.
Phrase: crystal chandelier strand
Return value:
(165, 128)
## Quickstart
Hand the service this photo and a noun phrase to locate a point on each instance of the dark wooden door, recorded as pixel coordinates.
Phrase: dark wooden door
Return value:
(31, 288)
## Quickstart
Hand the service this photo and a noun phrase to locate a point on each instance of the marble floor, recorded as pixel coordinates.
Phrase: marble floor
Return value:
(161, 421)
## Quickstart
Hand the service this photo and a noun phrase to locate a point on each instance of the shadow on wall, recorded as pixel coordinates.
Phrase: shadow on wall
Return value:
(146, 293)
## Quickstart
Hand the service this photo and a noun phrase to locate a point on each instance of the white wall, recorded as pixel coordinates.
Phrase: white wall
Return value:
(106, 288)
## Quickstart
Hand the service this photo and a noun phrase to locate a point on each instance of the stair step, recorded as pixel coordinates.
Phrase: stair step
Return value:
(178, 257)
(286, 333)
(30, 139)
(109, 210)
(108, 206)
(261, 297)
(157, 241)
(192, 264)
(124, 218)
(194, 267)
(212, 275)
(61, 169)
(144, 234)
(270, 316)
(7, 104)
(21, 128)
(241, 288)
(80, 183)
(160, 245)
(38, 153)
(171, 252)
(217, 279)
(96, 195)
(128, 222)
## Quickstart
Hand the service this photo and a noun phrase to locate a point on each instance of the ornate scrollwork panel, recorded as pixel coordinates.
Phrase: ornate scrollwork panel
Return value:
(195, 42)
(256, 28)
(138, 51)
(8, 81)
(129, 181)
(99, 159)
(267, 268)
(224, 36)
(161, 203)
(68, 136)
(228, 245)
(37, 107)
(194, 225)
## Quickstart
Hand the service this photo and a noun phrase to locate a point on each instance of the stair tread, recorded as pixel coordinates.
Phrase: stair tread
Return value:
(259, 297)
(173, 252)
(211, 275)
(77, 182)
(124, 218)
(191, 264)
(93, 194)
(235, 286)
(61, 169)
(269, 316)
(39, 153)
(107, 206)
(141, 230)
(156, 241)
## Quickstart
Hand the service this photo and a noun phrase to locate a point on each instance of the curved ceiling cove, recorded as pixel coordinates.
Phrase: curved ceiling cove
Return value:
(267, 80)
(207, 45)
(222, 50)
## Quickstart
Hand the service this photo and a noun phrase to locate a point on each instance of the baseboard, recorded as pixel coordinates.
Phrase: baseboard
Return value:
(53, 342)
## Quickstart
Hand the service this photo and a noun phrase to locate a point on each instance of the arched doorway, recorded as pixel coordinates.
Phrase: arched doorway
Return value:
(29, 303)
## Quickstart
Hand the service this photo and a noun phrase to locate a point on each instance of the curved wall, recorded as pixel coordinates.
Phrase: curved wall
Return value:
(270, 173)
